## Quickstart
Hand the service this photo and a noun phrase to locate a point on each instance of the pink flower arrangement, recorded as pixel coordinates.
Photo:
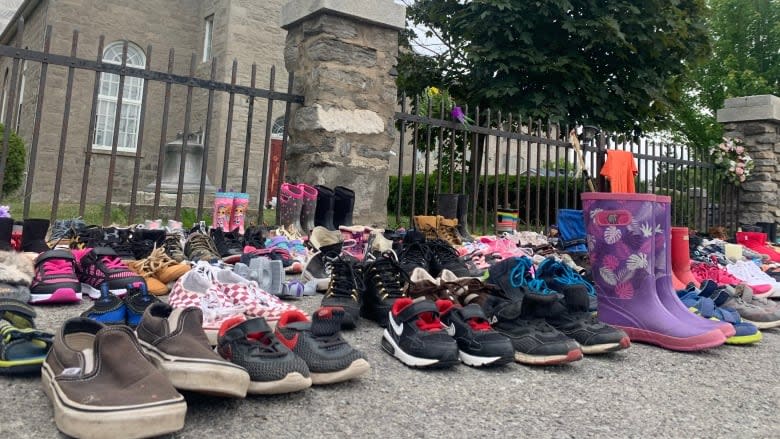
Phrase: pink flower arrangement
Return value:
(733, 158)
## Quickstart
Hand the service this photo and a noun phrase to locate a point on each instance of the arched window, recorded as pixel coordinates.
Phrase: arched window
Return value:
(277, 129)
(131, 100)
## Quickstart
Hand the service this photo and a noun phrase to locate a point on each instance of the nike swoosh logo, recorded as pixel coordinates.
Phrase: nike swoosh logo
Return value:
(450, 330)
(397, 328)
(290, 343)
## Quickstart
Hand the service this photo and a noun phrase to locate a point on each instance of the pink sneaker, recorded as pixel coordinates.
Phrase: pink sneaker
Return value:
(703, 271)
(96, 266)
(55, 278)
(354, 240)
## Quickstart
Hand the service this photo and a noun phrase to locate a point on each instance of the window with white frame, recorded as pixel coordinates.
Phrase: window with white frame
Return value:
(132, 97)
(208, 31)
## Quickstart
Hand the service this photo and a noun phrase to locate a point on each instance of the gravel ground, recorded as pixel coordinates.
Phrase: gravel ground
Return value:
(731, 391)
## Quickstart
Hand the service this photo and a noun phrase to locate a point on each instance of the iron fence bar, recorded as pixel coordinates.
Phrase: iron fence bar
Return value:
(474, 171)
(517, 163)
(206, 143)
(184, 142)
(547, 181)
(248, 140)
(266, 151)
(84, 64)
(427, 160)
(452, 148)
(402, 133)
(140, 144)
(91, 132)
(11, 104)
(416, 133)
(55, 202)
(439, 152)
(558, 177)
(115, 139)
(566, 175)
(496, 166)
(229, 127)
(463, 162)
(528, 176)
(28, 188)
(506, 163)
(285, 128)
(486, 154)
(538, 175)
(163, 138)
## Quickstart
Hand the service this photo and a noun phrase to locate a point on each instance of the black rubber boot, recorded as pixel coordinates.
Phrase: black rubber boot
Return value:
(447, 206)
(6, 230)
(770, 229)
(34, 235)
(323, 214)
(463, 213)
(343, 206)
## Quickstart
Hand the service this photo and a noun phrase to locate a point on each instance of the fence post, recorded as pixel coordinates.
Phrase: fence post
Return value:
(756, 120)
(343, 55)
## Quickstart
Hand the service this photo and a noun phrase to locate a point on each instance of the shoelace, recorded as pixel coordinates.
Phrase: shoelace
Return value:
(343, 279)
(415, 253)
(216, 309)
(57, 267)
(390, 273)
(113, 263)
(443, 251)
(201, 242)
(568, 276)
(522, 275)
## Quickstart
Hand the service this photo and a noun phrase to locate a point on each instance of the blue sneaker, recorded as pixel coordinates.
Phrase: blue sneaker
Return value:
(562, 278)
(136, 302)
(107, 309)
(746, 333)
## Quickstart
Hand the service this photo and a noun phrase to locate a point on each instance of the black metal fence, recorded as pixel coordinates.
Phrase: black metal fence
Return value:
(68, 173)
(507, 162)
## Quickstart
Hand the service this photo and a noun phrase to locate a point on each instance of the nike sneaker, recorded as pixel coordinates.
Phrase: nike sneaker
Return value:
(319, 343)
(416, 336)
(478, 343)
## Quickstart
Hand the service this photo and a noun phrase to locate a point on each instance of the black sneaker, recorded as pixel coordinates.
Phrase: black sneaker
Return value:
(478, 343)
(562, 278)
(571, 316)
(272, 367)
(415, 253)
(319, 343)
(143, 242)
(227, 243)
(534, 340)
(444, 257)
(416, 336)
(254, 237)
(384, 282)
(343, 289)
(316, 273)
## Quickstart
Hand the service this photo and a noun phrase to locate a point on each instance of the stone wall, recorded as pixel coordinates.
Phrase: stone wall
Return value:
(343, 134)
(756, 120)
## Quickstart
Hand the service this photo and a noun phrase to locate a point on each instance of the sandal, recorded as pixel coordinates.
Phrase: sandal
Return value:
(22, 347)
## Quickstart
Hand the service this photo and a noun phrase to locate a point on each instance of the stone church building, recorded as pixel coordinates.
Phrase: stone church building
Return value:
(247, 31)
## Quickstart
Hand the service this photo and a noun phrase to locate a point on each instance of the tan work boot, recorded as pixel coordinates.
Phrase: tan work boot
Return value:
(447, 230)
(427, 225)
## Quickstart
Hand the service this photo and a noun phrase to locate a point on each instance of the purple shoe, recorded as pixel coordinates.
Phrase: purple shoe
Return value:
(621, 231)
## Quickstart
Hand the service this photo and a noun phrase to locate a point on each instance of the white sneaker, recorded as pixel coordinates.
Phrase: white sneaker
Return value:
(749, 273)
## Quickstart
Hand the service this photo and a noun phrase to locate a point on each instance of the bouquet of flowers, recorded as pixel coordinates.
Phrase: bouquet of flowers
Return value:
(732, 156)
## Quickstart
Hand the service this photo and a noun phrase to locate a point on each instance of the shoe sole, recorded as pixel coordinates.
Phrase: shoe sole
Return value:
(21, 367)
(94, 293)
(763, 325)
(700, 342)
(218, 378)
(356, 369)
(389, 346)
(293, 382)
(122, 422)
(477, 361)
(745, 339)
(548, 360)
(606, 348)
(60, 295)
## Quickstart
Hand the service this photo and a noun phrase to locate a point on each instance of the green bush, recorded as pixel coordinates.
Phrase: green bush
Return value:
(14, 166)
(526, 186)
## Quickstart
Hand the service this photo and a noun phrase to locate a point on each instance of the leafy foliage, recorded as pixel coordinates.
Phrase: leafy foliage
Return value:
(15, 163)
(609, 63)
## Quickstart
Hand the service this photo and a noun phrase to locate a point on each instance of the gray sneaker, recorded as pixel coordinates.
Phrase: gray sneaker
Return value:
(762, 313)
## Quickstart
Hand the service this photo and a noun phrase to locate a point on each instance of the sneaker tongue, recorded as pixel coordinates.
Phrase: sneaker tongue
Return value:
(327, 320)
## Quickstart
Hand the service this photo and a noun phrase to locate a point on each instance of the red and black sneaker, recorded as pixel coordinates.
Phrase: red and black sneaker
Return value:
(98, 265)
(55, 278)
(416, 337)
(319, 343)
(478, 343)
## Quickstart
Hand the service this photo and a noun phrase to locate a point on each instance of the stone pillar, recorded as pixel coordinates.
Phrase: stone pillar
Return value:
(343, 54)
(756, 119)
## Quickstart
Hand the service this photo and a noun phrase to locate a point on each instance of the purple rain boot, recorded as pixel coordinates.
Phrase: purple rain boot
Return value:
(621, 246)
(663, 272)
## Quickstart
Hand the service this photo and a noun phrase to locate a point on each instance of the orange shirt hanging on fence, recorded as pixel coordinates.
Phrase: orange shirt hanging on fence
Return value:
(620, 170)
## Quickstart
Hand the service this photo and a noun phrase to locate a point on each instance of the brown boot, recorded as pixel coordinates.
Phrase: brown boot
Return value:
(427, 225)
(447, 230)
(174, 340)
(100, 384)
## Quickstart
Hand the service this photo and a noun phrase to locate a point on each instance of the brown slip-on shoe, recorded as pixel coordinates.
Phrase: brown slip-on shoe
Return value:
(174, 340)
(100, 383)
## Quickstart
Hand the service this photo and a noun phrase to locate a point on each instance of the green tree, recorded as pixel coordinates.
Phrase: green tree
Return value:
(745, 60)
(609, 63)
